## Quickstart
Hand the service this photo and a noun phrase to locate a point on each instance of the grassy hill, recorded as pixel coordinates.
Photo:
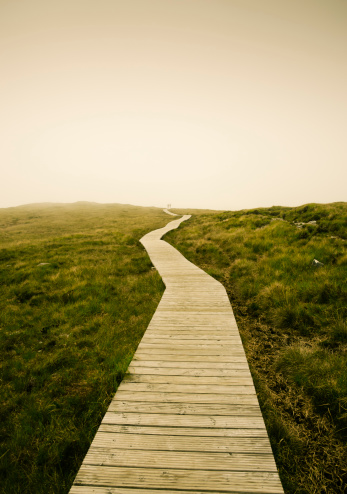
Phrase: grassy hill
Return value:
(78, 291)
(68, 330)
(292, 317)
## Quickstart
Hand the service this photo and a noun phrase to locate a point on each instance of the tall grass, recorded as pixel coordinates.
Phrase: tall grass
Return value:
(292, 317)
(68, 330)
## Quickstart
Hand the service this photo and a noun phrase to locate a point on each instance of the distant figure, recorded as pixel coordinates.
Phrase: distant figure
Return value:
(169, 206)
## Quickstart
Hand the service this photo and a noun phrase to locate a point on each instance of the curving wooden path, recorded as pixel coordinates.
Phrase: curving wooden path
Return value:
(186, 416)
(170, 212)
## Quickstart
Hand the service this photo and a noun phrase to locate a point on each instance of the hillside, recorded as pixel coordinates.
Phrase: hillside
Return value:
(78, 291)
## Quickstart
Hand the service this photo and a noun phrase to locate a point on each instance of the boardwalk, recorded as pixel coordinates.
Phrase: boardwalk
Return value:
(186, 417)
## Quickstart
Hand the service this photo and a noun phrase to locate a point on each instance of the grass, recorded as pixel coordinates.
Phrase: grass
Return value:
(68, 330)
(292, 318)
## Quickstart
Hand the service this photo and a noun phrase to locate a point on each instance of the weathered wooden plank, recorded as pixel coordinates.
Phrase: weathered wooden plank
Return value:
(210, 346)
(189, 339)
(212, 312)
(187, 388)
(193, 304)
(185, 397)
(88, 489)
(215, 348)
(184, 408)
(182, 431)
(262, 462)
(199, 350)
(186, 318)
(189, 364)
(175, 312)
(203, 328)
(205, 332)
(163, 379)
(191, 336)
(161, 442)
(167, 420)
(191, 300)
(186, 357)
(199, 295)
(157, 478)
(179, 371)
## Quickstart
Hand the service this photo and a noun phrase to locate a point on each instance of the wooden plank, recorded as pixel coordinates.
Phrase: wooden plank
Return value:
(214, 380)
(192, 298)
(182, 357)
(184, 408)
(187, 397)
(166, 420)
(190, 305)
(175, 311)
(202, 349)
(156, 478)
(184, 319)
(187, 388)
(164, 332)
(194, 303)
(226, 316)
(262, 462)
(198, 349)
(204, 332)
(183, 371)
(182, 431)
(210, 346)
(210, 328)
(167, 364)
(214, 347)
(89, 489)
(197, 294)
(189, 339)
(169, 335)
(161, 442)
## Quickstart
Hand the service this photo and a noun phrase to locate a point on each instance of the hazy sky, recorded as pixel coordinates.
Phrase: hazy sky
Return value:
(222, 104)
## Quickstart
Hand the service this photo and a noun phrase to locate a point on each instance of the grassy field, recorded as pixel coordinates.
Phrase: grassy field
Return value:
(292, 318)
(68, 330)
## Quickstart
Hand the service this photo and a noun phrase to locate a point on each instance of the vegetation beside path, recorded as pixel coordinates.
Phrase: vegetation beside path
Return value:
(68, 330)
(292, 318)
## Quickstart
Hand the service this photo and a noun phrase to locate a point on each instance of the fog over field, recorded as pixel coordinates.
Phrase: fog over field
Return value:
(205, 104)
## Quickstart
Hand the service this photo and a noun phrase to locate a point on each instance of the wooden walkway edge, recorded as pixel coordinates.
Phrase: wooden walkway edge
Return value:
(186, 417)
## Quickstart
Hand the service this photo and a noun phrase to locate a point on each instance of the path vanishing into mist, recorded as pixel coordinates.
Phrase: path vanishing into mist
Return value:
(186, 416)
